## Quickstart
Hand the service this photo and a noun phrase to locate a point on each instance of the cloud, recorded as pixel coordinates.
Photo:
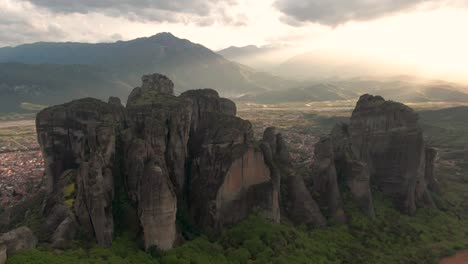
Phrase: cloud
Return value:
(335, 12)
(19, 24)
(202, 12)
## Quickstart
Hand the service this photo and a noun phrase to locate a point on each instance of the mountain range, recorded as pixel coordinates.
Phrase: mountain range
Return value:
(49, 73)
(46, 73)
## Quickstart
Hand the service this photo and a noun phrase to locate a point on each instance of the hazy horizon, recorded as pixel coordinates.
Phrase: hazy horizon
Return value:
(423, 38)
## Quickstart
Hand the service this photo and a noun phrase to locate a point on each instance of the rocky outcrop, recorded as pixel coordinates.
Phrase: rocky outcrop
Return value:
(299, 204)
(157, 153)
(207, 100)
(3, 254)
(16, 240)
(387, 137)
(225, 190)
(78, 144)
(163, 153)
(155, 149)
(326, 182)
(382, 145)
(432, 183)
(351, 170)
(157, 82)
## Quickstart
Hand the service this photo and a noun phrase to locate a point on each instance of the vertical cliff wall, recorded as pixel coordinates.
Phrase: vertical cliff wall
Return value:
(158, 152)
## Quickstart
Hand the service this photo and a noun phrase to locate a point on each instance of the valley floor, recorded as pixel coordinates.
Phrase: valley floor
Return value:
(391, 238)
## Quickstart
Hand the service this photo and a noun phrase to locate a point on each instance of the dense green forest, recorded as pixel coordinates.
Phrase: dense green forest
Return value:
(390, 238)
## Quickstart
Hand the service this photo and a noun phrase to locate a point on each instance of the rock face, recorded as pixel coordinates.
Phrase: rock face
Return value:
(155, 148)
(326, 181)
(431, 156)
(78, 141)
(387, 137)
(156, 154)
(161, 153)
(353, 171)
(16, 240)
(382, 145)
(299, 205)
(224, 191)
(157, 82)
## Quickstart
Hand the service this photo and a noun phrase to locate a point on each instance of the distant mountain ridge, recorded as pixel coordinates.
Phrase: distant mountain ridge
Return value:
(264, 58)
(348, 89)
(190, 65)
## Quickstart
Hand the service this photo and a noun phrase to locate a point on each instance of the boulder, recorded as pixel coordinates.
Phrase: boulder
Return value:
(3, 254)
(16, 240)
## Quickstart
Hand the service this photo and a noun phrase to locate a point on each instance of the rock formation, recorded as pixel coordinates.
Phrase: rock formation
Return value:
(382, 145)
(16, 240)
(387, 137)
(431, 156)
(326, 182)
(301, 208)
(157, 153)
(134, 167)
(353, 171)
(225, 190)
(78, 143)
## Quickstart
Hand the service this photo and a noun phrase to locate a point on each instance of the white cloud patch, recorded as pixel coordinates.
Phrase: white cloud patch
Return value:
(20, 22)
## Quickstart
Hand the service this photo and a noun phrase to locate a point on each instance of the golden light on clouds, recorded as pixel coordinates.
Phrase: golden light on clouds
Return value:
(428, 40)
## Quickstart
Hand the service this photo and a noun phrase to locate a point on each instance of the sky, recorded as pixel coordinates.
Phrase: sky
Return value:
(428, 36)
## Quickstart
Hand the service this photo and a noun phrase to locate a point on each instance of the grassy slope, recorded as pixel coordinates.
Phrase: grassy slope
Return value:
(390, 238)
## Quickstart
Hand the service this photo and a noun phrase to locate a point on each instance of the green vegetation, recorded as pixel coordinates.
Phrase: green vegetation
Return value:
(152, 97)
(391, 238)
(69, 190)
(123, 251)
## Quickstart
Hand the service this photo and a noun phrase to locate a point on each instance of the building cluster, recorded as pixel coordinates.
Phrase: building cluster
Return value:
(21, 167)
(21, 175)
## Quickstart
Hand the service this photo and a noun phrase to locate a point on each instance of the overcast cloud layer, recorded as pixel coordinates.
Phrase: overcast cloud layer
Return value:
(335, 12)
(202, 12)
(428, 36)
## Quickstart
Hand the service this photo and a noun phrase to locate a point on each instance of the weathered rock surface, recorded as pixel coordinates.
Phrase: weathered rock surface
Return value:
(80, 136)
(161, 153)
(326, 182)
(226, 190)
(157, 82)
(351, 170)
(3, 254)
(300, 206)
(207, 100)
(16, 240)
(387, 137)
(431, 157)
(382, 145)
(158, 153)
